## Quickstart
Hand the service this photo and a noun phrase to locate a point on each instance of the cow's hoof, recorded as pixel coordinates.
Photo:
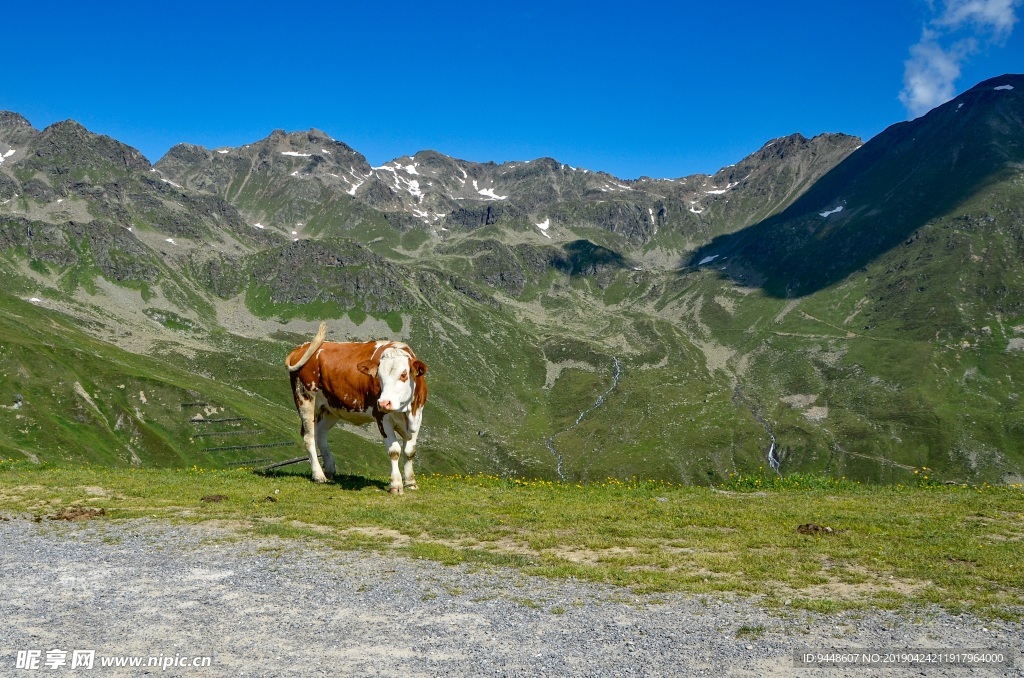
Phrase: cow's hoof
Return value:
(396, 490)
(412, 486)
(319, 479)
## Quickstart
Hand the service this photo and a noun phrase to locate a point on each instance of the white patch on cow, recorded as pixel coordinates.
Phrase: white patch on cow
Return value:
(393, 363)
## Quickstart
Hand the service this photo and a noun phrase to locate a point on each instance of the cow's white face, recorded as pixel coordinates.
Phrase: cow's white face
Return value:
(397, 379)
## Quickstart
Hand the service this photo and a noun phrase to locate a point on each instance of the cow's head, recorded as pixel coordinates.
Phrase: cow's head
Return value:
(399, 375)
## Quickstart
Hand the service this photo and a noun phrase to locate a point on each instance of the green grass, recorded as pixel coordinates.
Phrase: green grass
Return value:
(958, 547)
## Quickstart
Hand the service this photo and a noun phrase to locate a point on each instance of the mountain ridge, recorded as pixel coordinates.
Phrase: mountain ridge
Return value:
(747, 314)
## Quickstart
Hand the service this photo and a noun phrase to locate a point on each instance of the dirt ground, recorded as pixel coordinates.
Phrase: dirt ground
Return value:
(264, 607)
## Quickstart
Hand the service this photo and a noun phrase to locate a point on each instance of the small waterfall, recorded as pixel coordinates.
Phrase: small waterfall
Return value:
(550, 442)
(773, 450)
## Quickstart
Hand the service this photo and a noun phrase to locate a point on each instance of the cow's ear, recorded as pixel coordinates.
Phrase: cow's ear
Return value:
(419, 368)
(368, 367)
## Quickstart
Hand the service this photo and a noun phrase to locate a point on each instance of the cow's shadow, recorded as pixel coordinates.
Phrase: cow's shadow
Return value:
(350, 482)
(342, 480)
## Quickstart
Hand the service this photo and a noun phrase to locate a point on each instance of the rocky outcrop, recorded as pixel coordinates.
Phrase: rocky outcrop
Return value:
(118, 255)
(340, 271)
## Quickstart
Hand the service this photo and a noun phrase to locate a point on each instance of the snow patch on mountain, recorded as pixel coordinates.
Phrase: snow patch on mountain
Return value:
(720, 191)
(836, 210)
(489, 193)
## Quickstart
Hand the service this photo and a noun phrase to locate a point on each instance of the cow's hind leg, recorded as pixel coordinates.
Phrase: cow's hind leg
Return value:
(307, 413)
(324, 422)
(394, 448)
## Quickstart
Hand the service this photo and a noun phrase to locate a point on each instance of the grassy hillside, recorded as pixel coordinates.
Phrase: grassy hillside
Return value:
(576, 327)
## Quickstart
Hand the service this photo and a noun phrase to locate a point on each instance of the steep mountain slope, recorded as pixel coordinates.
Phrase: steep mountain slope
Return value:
(564, 337)
(899, 278)
(908, 175)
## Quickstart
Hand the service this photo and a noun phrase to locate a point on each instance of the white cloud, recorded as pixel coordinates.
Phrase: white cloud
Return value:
(988, 17)
(947, 41)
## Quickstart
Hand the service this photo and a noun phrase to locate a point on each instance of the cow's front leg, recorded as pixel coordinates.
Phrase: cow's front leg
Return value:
(412, 430)
(324, 422)
(307, 413)
(394, 448)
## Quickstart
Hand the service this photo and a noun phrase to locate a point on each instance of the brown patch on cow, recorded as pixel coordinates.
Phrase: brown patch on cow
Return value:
(335, 371)
(419, 370)
(213, 498)
(75, 513)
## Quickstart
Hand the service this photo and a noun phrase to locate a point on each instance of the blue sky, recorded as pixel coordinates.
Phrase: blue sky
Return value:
(664, 89)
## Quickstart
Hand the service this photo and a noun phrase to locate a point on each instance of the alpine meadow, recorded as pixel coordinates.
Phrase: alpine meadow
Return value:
(832, 307)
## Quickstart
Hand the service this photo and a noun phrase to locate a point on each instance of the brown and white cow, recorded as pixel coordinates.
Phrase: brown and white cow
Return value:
(359, 383)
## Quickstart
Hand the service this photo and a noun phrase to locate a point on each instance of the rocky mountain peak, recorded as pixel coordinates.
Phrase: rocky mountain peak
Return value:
(11, 120)
(69, 144)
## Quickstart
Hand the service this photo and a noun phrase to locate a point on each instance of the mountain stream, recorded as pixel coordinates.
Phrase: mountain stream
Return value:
(550, 442)
(773, 450)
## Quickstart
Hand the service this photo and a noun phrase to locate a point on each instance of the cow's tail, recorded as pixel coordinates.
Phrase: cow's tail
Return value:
(318, 340)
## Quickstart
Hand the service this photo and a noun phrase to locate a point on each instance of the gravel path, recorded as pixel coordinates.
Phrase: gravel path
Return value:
(279, 608)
